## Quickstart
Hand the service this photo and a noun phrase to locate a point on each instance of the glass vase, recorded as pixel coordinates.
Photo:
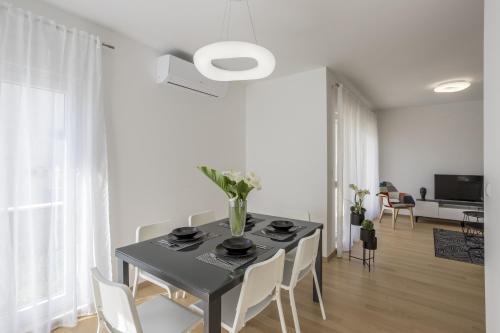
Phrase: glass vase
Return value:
(237, 216)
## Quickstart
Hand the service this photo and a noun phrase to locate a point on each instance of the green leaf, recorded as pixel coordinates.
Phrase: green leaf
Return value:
(220, 180)
(243, 189)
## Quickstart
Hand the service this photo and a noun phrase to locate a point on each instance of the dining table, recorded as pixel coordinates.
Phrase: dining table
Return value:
(183, 268)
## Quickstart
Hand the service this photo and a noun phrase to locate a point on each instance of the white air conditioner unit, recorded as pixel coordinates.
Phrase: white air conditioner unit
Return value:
(182, 73)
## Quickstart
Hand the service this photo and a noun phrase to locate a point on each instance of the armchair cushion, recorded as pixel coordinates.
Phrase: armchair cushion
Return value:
(395, 198)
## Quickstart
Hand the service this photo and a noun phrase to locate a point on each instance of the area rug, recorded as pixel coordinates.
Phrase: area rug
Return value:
(451, 245)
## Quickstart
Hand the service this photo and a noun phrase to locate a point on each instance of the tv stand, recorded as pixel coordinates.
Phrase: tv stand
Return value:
(445, 209)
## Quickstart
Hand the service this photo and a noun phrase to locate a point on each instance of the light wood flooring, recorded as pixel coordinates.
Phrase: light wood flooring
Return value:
(409, 290)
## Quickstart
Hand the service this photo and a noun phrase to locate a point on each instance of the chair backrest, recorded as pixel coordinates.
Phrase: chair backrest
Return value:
(307, 251)
(145, 232)
(388, 189)
(201, 218)
(261, 281)
(115, 305)
(384, 199)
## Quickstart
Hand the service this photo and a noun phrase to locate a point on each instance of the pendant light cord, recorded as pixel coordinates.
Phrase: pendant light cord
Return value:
(226, 21)
(223, 25)
(251, 22)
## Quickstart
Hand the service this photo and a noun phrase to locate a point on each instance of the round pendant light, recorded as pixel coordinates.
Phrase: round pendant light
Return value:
(453, 86)
(205, 56)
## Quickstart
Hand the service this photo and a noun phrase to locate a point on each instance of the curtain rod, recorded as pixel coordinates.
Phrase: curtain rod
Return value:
(52, 22)
(109, 46)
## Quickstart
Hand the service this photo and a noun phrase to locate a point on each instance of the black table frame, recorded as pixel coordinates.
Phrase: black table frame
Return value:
(142, 256)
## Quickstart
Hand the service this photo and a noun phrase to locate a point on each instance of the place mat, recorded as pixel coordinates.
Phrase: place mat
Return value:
(277, 236)
(169, 242)
(232, 264)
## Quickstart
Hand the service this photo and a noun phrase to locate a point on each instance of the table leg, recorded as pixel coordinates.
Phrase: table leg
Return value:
(123, 273)
(319, 269)
(212, 315)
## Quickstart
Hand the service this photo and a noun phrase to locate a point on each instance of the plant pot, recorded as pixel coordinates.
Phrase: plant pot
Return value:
(357, 219)
(366, 235)
(237, 216)
(371, 244)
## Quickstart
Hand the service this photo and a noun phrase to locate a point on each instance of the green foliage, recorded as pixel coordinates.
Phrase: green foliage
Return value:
(220, 180)
(359, 197)
(232, 183)
(367, 225)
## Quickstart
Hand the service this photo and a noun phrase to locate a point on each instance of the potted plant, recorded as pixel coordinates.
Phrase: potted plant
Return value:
(371, 244)
(367, 233)
(236, 187)
(357, 210)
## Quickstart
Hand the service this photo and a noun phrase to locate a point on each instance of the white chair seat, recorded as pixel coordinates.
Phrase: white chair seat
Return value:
(229, 305)
(287, 274)
(161, 315)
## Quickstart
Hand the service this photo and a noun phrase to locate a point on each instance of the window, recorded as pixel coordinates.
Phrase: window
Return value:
(38, 204)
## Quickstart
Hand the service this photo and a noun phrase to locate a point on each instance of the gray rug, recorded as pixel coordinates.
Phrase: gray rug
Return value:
(451, 245)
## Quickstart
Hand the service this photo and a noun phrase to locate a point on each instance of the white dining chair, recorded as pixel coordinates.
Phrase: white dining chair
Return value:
(143, 233)
(261, 285)
(117, 312)
(293, 272)
(303, 216)
(201, 218)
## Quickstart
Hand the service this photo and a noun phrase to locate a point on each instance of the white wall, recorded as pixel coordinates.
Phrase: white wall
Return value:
(157, 135)
(287, 144)
(416, 143)
(492, 161)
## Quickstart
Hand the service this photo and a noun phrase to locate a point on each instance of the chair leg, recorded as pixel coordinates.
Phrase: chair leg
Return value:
(176, 294)
(295, 315)
(381, 215)
(280, 310)
(294, 311)
(412, 220)
(315, 278)
(169, 292)
(393, 219)
(136, 281)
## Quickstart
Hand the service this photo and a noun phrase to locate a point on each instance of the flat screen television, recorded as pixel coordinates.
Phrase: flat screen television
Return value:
(458, 187)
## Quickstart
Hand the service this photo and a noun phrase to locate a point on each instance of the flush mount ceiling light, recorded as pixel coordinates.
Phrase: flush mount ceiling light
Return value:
(452, 86)
(204, 58)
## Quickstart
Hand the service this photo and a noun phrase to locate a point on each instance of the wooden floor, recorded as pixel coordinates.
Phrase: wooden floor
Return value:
(409, 290)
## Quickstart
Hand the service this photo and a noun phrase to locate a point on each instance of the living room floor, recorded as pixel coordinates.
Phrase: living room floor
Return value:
(409, 290)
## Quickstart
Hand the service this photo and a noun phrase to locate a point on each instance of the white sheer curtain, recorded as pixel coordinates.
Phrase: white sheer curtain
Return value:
(53, 172)
(357, 160)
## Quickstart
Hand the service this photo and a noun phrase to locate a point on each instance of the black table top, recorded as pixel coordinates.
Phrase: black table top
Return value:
(183, 270)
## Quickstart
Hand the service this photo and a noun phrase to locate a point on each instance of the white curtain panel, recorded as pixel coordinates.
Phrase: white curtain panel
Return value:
(357, 161)
(54, 222)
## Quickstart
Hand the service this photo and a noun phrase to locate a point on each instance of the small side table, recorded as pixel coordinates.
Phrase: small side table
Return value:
(472, 228)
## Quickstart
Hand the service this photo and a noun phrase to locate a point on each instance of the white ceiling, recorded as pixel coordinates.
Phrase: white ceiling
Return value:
(393, 51)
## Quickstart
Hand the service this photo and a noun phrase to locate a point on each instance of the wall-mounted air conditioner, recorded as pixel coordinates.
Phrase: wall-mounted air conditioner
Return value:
(182, 73)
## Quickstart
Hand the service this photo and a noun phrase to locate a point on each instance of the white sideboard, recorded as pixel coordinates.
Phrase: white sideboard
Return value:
(446, 210)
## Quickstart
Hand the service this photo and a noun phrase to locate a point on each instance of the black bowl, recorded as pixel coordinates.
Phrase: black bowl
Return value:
(249, 216)
(237, 244)
(282, 225)
(185, 232)
(221, 251)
